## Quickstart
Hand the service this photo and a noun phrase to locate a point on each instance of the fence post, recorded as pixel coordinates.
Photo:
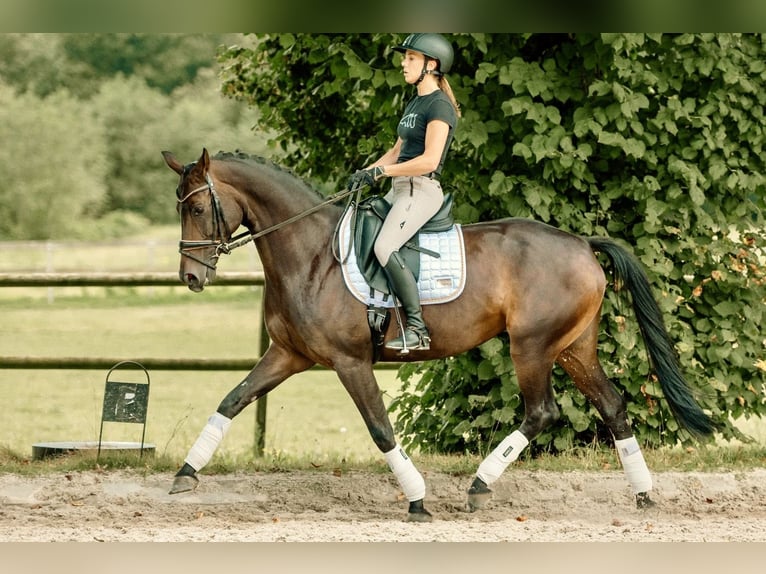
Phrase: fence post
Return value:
(49, 267)
(259, 441)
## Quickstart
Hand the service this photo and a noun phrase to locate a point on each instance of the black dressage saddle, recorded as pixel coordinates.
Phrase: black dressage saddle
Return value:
(365, 227)
(370, 214)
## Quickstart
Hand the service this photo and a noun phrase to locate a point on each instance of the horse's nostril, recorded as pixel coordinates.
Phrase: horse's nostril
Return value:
(193, 282)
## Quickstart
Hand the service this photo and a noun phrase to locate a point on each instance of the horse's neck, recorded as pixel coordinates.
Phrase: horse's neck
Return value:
(297, 245)
(292, 248)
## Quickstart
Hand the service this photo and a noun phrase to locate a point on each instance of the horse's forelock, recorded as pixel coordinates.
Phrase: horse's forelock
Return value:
(184, 174)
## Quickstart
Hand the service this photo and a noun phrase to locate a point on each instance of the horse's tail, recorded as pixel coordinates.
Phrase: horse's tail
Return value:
(629, 273)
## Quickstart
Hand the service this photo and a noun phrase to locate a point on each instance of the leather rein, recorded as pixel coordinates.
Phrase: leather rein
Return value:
(219, 241)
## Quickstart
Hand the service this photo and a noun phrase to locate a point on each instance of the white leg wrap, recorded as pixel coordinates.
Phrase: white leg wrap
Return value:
(411, 481)
(634, 465)
(504, 454)
(209, 439)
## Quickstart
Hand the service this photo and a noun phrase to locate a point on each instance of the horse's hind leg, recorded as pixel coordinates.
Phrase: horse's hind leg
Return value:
(359, 380)
(580, 361)
(275, 366)
(540, 411)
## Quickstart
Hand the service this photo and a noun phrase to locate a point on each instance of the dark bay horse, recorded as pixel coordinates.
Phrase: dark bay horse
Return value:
(541, 285)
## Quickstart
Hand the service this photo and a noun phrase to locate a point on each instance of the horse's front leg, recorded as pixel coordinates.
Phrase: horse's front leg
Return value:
(275, 366)
(359, 381)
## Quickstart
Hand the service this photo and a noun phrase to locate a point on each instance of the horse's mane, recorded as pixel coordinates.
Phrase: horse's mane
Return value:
(239, 155)
(244, 156)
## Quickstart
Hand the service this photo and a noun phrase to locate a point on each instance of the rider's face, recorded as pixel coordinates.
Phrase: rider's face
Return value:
(412, 66)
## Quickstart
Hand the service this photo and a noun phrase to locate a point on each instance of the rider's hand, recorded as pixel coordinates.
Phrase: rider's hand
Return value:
(366, 177)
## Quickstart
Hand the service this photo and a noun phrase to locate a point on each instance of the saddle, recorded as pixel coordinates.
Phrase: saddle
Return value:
(365, 226)
(370, 214)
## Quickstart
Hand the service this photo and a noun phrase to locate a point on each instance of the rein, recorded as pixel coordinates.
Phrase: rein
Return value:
(219, 238)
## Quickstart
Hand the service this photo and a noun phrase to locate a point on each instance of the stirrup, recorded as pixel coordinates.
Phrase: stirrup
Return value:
(420, 341)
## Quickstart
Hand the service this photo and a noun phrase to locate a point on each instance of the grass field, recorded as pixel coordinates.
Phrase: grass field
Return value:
(58, 405)
(309, 414)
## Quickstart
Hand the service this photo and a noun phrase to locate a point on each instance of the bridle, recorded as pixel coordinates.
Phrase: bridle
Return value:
(219, 240)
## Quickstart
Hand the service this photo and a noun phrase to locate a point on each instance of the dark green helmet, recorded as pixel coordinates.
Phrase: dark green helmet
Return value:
(432, 45)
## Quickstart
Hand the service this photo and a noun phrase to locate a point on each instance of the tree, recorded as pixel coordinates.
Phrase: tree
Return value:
(132, 96)
(141, 121)
(33, 63)
(655, 139)
(46, 63)
(164, 61)
(50, 164)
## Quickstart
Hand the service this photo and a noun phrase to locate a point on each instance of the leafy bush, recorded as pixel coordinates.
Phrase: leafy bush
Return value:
(654, 139)
(644, 137)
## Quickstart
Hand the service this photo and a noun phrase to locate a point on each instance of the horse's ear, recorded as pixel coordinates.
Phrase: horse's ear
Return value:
(204, 160)
(172, 162)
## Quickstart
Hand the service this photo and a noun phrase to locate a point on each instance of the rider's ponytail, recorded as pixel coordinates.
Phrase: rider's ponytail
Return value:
(447, 89)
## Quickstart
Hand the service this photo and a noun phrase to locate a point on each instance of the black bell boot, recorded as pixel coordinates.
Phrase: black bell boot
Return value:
(405, 288)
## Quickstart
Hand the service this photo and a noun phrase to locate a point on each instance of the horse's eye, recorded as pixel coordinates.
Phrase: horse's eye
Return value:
(197, 210)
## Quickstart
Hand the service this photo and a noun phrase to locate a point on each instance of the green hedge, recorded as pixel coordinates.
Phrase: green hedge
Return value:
(653, 139)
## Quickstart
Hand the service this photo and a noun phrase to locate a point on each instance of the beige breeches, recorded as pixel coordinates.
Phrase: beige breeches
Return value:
(414, 201)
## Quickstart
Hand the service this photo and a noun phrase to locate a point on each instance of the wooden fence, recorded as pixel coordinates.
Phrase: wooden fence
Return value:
(168, 279)
(254, 278)
(105, 363)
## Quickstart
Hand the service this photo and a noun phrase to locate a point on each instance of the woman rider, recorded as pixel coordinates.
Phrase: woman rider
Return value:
(415, 164)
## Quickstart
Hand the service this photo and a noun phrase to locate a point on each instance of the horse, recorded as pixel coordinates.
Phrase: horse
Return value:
(541, 285)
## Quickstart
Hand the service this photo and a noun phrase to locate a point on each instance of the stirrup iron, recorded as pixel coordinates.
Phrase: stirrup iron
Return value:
(423, 342)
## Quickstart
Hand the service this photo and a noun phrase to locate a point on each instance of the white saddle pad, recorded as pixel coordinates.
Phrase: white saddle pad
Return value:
(442, 279)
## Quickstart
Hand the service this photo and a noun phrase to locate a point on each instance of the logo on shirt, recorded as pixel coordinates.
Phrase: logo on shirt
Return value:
(408, 121)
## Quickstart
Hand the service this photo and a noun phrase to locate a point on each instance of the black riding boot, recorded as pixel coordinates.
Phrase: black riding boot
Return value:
(405, 287)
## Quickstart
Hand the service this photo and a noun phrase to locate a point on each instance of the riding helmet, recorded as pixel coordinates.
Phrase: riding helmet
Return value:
(432, 45)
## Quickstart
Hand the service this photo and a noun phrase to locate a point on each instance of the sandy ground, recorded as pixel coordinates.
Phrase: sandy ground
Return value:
(326, 506)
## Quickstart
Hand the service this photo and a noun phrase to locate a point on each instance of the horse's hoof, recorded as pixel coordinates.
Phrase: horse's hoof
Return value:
(418, 513)
(423, 516)
(643, 501)
(184, 483)
(477, 501)
(478, 495)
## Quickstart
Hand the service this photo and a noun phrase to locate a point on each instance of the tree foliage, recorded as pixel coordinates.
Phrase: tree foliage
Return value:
(47, 189)
(654, 139)
(46, 63)
(84, 119)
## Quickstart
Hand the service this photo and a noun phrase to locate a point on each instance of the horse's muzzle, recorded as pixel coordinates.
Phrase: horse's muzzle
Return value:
(196, 271)
(192, 281)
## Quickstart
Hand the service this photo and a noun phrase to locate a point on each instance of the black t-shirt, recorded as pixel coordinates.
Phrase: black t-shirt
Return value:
(412, 127)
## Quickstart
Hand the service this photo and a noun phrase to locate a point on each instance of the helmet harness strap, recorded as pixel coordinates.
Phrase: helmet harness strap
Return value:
(426, 71)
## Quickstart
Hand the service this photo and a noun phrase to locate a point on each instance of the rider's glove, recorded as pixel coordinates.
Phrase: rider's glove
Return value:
(366, 177)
